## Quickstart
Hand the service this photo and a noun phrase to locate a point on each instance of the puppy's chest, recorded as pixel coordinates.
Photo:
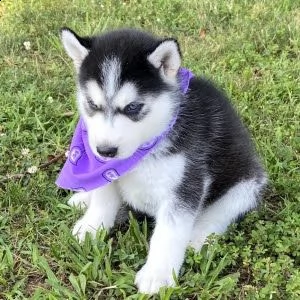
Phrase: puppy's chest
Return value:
(152, 182)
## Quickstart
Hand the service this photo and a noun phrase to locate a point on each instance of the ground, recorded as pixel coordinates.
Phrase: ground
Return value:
(249, 48)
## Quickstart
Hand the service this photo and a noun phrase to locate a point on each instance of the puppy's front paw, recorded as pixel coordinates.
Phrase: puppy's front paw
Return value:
(150, 279)
(84, 226)
(80, 200)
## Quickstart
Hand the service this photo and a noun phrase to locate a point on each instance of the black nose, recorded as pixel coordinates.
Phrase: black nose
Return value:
(107, 151)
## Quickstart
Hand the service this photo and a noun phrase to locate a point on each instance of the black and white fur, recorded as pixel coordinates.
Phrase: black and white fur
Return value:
(201, 178)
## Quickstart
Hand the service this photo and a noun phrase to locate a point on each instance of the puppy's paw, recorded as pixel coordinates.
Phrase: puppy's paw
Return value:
(84, 226)
(80, 200)
(150, 279)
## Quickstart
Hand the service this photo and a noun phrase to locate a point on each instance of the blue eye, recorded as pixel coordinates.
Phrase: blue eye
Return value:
(133, 108)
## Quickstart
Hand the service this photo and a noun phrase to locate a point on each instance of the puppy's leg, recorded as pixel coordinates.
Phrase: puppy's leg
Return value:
(238, 200)
(167, 248)
(80, 200)
(101, 212)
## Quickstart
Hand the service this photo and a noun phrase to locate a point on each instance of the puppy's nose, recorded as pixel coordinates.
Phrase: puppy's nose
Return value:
(107, 151)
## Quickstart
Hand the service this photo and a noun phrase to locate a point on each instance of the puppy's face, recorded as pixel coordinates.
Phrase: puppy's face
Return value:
(126, 85)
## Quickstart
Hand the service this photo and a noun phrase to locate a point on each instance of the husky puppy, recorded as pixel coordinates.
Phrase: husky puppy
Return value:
(203, 175)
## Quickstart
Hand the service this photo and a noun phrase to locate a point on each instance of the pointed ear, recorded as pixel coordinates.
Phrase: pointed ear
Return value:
(76, 47)
(166, 57)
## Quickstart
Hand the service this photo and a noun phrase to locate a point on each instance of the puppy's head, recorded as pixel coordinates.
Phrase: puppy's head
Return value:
(127, 87)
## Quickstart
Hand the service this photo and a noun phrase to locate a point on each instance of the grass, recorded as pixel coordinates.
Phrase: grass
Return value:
(250, 48)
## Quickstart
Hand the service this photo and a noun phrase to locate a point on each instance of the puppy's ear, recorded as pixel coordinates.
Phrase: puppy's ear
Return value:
(166, 57)
(76, 47)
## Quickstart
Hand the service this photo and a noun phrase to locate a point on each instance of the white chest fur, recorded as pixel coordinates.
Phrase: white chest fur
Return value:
(152, 182)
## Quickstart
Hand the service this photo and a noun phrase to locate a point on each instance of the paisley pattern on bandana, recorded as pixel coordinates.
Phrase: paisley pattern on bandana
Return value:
(83, 171)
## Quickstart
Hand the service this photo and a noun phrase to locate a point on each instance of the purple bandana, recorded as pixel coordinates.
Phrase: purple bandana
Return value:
(83, 171)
